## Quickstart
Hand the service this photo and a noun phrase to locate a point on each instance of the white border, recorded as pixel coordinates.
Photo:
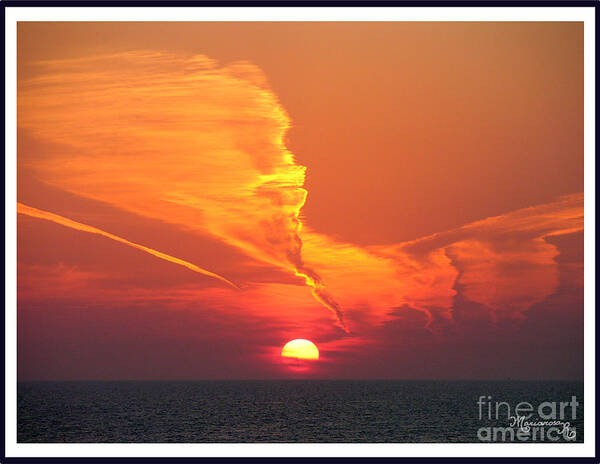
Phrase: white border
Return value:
(14, 449)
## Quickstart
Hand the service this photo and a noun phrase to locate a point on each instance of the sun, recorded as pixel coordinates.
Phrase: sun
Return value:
(300, 349)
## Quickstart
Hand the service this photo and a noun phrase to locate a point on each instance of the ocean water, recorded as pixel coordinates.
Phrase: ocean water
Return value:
(318, 411)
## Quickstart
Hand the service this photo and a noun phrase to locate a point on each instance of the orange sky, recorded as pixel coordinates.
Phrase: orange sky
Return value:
(405, 192)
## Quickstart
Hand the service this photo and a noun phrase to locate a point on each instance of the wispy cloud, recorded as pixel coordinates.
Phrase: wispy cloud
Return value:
(199, 146)
(178, 139)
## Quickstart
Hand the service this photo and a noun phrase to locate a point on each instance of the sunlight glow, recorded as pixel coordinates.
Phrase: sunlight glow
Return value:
(301, 349)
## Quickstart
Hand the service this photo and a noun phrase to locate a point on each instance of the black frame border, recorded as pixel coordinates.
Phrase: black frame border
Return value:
(303, 3)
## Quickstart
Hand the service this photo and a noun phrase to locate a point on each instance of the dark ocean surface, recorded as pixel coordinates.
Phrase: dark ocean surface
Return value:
(325, 411)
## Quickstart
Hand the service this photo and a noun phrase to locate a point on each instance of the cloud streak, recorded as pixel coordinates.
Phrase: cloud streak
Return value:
(37, 213)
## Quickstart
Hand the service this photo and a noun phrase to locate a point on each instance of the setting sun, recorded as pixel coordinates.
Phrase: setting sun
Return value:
(300, 349)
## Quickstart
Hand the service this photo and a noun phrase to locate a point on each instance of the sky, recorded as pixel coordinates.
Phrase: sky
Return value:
(192, 196)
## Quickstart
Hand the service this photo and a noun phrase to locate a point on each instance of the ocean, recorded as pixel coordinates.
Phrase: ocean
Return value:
(292, 411)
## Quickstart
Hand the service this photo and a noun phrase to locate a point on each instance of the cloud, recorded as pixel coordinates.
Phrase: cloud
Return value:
(199, 146)
(178, 139)
(33, 212)
(507, 262)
